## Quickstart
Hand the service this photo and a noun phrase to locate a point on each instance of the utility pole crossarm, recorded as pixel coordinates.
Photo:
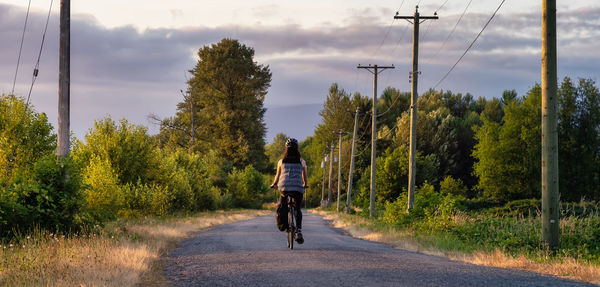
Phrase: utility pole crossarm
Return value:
(375, 68)
(420, 17)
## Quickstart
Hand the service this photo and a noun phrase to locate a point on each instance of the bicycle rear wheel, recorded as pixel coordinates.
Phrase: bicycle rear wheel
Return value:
(290, 239)
(292, 229)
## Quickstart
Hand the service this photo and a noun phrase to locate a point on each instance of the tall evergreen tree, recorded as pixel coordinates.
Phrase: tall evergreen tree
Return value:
(228, 89)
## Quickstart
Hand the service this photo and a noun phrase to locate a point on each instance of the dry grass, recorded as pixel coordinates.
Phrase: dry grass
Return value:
(361, 228)
(121, 254)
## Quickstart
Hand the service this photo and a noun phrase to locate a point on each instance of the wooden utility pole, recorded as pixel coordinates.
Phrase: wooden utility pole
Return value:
(339, 191)
(324, 167)
(64, 75)
(550, 204)
(374, 69)
(329, 194)
(412, 166)
(349, 195)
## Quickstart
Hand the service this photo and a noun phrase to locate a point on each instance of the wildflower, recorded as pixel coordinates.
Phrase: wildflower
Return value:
(11, 245)
(23, 245)
(28, 237)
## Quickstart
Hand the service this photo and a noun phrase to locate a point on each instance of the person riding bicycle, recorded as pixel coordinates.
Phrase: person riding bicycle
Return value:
(291, 178)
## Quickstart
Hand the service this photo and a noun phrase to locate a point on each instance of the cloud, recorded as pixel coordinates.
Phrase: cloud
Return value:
(127, 72)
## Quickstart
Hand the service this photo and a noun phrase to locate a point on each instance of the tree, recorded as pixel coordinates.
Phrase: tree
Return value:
(25, 137)
(276, 149)
(493, 110)
(579, 140)
(508, 153)
(335, 114)
(228, 89)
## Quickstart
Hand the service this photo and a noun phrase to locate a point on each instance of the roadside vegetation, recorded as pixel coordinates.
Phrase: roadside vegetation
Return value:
(478, 183)
(507, 241)
(124, 252)
(104, 215)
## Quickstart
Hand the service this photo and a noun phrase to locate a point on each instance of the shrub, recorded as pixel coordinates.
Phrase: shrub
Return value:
(452, 186)
(161, 200)
(428, 204)
(26, 138)
(247, 187)
(102, 194)
(41, 199)
(523, 207)
(126, 147)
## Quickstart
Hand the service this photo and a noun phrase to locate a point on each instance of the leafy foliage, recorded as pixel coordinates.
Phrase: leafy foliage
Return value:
(41, 198)
(127, 147)
(276, 149)
(25, 137)
(508, 154)
(228, 89)
(247, 187)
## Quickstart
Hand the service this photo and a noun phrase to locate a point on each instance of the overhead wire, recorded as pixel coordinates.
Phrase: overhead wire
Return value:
(471, 45)
(453, 29)
(21, 48)
(37, 63)
(435, 13)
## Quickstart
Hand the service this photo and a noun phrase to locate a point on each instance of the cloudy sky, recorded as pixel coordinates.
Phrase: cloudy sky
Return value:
(129, 58)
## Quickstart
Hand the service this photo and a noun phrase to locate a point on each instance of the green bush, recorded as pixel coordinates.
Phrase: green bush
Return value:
(161, 200)
(102, 193)
(523, 207)
(143, 199)
(41, 199)
(247, 187)
(127, 147)
(452, 186)
(26, 137)
(428, 204)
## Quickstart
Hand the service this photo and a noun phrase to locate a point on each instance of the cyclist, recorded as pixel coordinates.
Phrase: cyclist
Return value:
(291, 178)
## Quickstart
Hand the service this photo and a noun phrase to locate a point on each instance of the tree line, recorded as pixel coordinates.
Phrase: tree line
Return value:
(120, 170)
(475, 152)
(487, 151)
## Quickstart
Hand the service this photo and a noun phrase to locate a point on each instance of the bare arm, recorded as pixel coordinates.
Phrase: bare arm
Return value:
(305, 176)
(276, 180)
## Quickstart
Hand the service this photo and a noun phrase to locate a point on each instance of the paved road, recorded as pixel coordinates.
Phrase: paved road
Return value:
(254, 253)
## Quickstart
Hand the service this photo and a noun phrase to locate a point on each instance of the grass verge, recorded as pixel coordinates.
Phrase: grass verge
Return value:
(123, 253)
(439, 245)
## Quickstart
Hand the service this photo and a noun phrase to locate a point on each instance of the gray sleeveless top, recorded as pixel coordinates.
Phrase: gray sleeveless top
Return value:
(290, 178)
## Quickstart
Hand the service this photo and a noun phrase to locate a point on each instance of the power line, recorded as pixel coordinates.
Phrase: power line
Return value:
(442, 6)
(387, 33)
(453, 29)
(468, 48)
(391, 106)
(435, 13)
(37, 63)
(21, 48)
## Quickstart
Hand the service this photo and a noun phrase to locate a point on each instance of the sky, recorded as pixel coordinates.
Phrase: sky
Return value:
(130, 58)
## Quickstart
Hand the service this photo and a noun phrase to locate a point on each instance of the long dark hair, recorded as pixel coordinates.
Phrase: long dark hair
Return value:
(291, 154)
